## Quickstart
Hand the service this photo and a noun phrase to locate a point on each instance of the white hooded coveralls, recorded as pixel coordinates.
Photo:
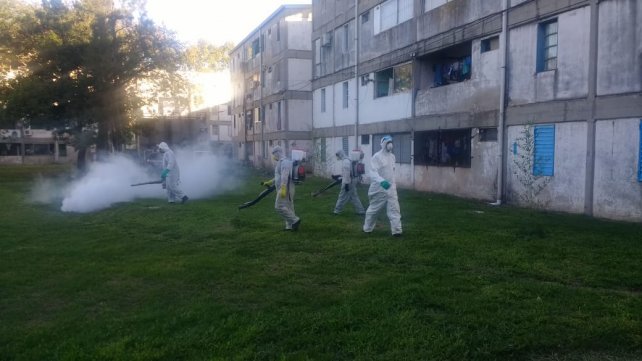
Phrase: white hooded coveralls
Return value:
(283, 177)
(383, 168)
(174, 193)
(348, 177)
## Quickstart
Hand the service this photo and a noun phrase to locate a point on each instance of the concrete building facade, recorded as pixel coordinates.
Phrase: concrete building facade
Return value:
(271, 90)
(531, 102)
(33, 146)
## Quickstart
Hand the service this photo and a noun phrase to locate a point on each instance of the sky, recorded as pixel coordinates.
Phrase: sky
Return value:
(217, 21)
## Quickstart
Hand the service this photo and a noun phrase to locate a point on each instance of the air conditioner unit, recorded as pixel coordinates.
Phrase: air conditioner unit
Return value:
(326, 39)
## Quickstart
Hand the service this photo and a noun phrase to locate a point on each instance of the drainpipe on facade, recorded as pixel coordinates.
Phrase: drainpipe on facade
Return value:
(415, 72)
(589, 182)
(356, 73)
(261, 114)
(502, 105)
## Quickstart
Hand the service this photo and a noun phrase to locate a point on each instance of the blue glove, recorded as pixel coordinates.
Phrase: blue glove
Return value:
(385, 184)
(164, 173)
(346, 187)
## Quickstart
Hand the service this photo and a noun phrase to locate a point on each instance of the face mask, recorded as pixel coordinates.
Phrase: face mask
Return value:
(389, 147)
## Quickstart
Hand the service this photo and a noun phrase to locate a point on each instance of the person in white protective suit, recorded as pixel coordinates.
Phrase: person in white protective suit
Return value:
(383, 189)
(349, 181)
(171, 175)
(284, 203)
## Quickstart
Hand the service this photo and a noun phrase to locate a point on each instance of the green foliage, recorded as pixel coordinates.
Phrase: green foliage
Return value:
(80, 64)
(205, 57)
(204, 281)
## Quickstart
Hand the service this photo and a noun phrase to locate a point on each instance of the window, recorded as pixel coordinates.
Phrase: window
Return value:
(365, 17)
(345, 94)
(256, 48)
(401, 143)
(322, 150)
(8, 149)
(547, 46)
(317, 57)
(278, 32)
(39, 149)
(346, 38)
(278, 116)
(447, 148)
(640, 155)
(433, 4)
(365, 139)
(323, 100)
(544, 155)
(393, 80)
(345, 145)
(490, 44)
(248, 120)
(487, 134)
(449, 66)
(392, 13)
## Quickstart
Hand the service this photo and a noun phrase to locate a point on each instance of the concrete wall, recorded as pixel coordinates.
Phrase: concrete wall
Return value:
(299, 73)
(478, 182)
(299, 115)
(617, 192)
(565, 189)
(372, 46)
(391, 107)
(299, 31)
(569, 80)
(620, 47)
(454, 14)
(480, 93)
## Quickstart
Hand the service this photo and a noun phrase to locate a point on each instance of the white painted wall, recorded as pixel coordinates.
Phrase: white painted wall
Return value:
(569, 80)
(620, 47)
(323, 119)
(617, 192)
(565, 191)
(344, 116)
(392, 107)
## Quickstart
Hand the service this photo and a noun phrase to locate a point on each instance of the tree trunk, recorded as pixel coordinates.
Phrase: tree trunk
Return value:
(81, 162)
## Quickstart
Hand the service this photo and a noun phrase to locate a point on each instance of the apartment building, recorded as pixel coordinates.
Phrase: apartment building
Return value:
(532, 102)
(24, 145)
(271, 86)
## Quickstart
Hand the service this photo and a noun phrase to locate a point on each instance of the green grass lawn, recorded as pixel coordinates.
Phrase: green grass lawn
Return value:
(204, 281)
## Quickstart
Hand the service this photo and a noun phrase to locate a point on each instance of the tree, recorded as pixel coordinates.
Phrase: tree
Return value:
(78, 65)
(206, 57)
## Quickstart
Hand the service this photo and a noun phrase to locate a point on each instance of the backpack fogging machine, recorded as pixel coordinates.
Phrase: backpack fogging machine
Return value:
(268, 189)
(150, 182)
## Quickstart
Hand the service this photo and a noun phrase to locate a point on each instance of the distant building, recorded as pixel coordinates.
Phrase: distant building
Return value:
(271, 73)
(457, 83)
(33, 146)
(208, 129)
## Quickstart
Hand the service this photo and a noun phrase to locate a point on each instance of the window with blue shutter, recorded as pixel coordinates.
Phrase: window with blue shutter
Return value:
(640, 155)
(544, 157)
